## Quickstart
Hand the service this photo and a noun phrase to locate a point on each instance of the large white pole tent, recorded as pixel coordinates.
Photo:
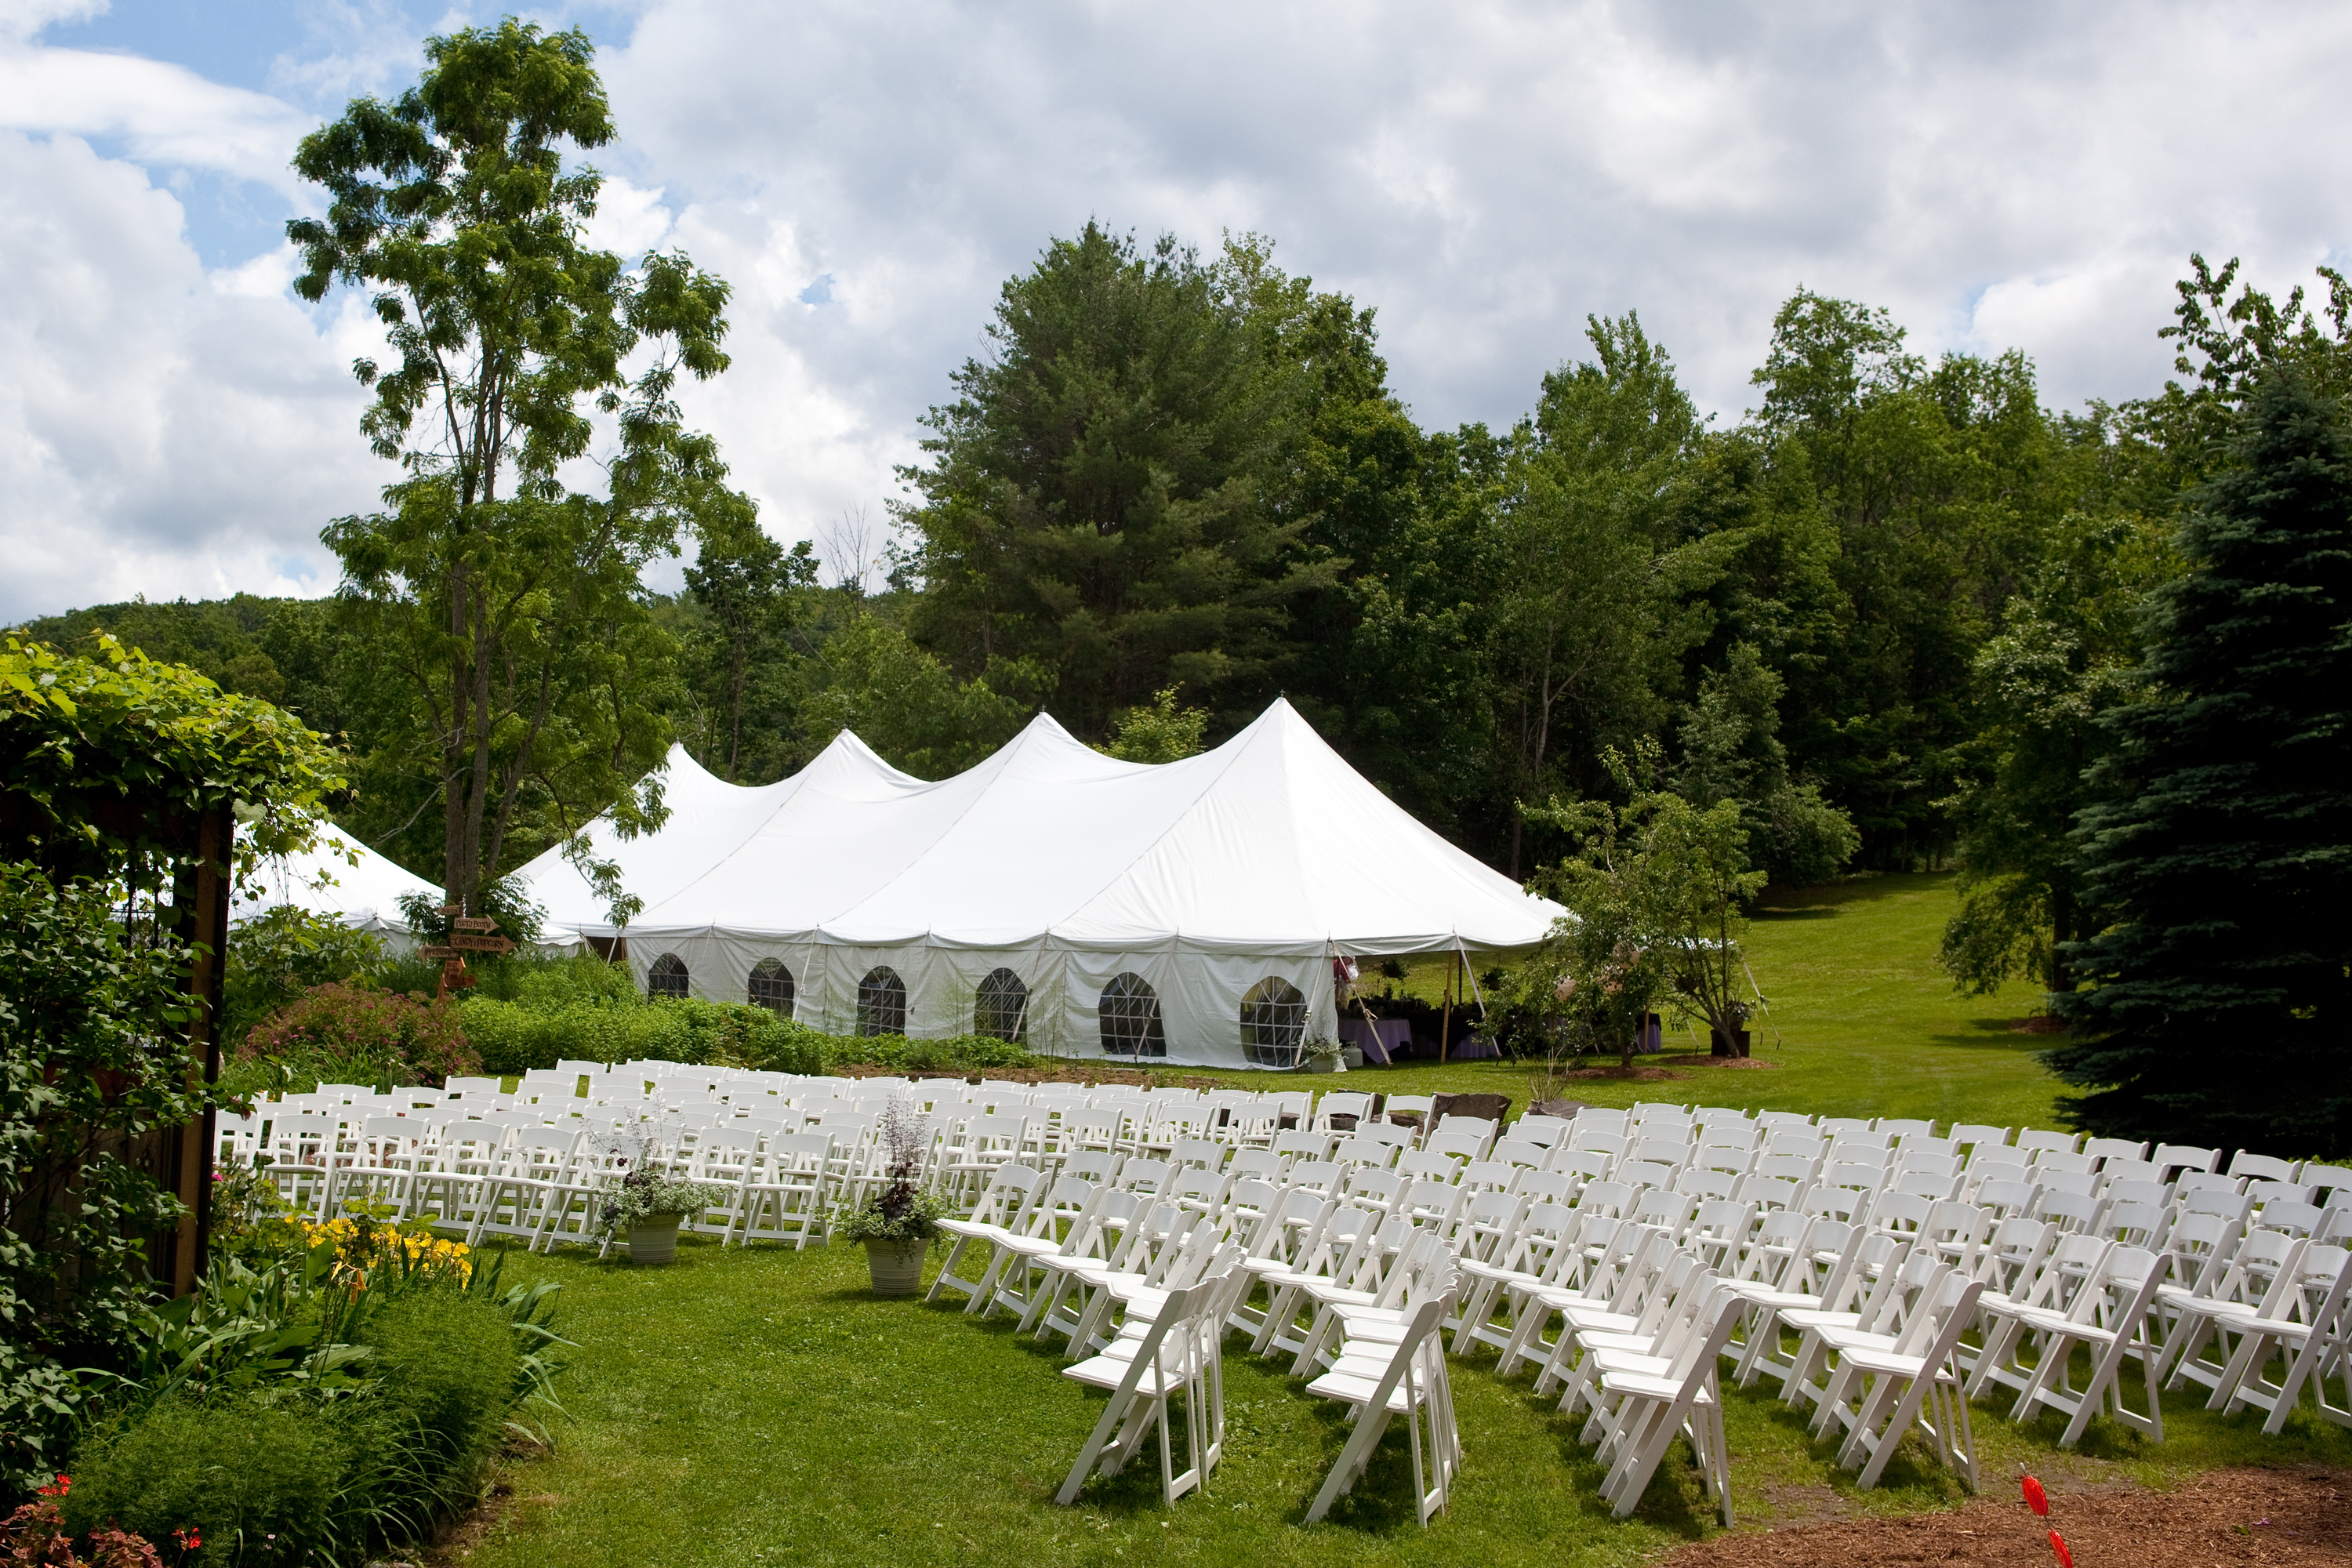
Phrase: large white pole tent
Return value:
(1188, 912)
(338, 877)
(709, 820)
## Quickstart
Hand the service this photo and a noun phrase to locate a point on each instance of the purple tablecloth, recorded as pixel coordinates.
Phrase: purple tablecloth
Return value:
(1378, 1039)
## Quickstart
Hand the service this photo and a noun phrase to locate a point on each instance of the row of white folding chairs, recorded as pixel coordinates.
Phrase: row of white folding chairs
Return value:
(2020, 1245)
(1090, 1247)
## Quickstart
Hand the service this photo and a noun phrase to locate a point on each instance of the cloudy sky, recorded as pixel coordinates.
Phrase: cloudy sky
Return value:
(173, 422)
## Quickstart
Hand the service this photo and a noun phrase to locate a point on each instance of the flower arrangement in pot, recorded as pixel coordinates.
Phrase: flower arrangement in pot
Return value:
(1323, 1055)
(900, 1220)
(647, 1203)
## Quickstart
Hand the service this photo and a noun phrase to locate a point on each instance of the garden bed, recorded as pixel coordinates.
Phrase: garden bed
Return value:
(2226, 1516)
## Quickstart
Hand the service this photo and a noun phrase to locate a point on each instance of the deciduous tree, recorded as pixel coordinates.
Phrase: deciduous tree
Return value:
(506, 604)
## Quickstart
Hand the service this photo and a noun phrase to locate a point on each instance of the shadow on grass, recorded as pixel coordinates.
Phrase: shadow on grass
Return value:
(1915, 1476)
(1996, 1034)
(1675, 1505)
(1833, 898)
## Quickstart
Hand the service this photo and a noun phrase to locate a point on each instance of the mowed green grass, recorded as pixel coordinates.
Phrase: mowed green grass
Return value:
(1862, 1023)
(761, 1406)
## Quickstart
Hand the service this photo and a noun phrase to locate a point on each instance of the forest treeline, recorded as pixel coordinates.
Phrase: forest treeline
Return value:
(1884, 610)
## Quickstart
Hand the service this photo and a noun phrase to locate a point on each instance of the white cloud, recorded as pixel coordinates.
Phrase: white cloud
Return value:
(23, 18)
(166, 432)
(1998, 175)
(628, 222)
(163, 113)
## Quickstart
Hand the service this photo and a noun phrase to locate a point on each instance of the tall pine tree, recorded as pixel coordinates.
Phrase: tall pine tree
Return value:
(2217, 998)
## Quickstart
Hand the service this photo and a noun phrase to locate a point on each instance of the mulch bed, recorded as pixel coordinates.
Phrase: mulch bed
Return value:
(2040, 1024)
(1678, 1060)
(1622, 1075)
(1085, 1075)
(2222, 1517)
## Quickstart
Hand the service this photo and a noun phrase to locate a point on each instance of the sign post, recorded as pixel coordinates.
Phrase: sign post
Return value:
(467, 933)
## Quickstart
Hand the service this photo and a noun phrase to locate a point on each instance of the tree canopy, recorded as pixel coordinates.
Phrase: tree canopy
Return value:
(508, 607)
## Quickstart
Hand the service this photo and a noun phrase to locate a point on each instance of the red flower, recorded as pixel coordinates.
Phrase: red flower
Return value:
(2035, 1499)
(2058, 1545)
(57, 1488)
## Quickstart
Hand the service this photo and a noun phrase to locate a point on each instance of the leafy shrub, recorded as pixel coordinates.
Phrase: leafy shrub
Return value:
(447, 1362)
(91, 1059)
(373, 1375)
(37, 1533)
(258, 1482)
(276, 956)
(957, 1053)
(514, 1037)
(404, 1039)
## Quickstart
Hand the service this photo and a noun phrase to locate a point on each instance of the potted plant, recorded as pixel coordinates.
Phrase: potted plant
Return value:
(1323, 1056)
(648, 1205)
(901, 1220)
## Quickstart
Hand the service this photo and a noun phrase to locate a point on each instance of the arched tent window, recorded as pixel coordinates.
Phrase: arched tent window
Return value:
(1001, 1008)
(1130, 1011)
(882, 1002)
(1273, 1023)
(666, 977)
(771, 987)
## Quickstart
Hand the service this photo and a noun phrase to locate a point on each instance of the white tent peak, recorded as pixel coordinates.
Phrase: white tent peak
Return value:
(337, 876)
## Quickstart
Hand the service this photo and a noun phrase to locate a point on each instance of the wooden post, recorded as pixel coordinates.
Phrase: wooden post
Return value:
(190, 1149)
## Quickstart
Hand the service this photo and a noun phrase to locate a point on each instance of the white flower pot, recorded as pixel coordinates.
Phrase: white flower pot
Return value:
(896, 1267)
(654, 1239)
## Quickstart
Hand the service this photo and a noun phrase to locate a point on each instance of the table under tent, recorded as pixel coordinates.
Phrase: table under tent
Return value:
(1186, 912)
(340, 877)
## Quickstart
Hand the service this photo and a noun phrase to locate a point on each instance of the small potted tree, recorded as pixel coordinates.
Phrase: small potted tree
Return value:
(900, 1220)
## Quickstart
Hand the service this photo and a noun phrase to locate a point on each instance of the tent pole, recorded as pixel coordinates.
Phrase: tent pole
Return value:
(1446, 1018)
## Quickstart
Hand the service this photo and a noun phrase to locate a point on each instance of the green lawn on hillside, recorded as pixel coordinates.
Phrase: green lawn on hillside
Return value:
(760, 1408)
(1862, 1022)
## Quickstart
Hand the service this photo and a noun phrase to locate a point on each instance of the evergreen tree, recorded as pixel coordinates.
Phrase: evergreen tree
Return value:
(1100, 496)
(2218, 996)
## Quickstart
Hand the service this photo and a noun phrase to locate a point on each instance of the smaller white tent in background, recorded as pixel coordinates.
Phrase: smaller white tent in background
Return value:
(340, 877)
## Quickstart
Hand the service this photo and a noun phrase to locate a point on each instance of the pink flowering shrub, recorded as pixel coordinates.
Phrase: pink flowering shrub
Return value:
(406, 1038)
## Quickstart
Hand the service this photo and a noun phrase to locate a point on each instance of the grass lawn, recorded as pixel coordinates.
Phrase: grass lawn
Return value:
(760, 1407)
(1862, 1022)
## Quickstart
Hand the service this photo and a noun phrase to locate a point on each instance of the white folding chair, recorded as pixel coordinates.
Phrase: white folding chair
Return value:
(1644, 1402)
(1410, 1381)
(1879, 1393)
(1175, 1356)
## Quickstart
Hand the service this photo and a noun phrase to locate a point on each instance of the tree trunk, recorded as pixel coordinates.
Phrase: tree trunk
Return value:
(2061, 931)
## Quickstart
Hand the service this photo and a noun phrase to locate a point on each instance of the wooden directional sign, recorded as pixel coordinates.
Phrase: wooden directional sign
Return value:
(475, 923)
(439, 953)
(450, 908)
(469, 943)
